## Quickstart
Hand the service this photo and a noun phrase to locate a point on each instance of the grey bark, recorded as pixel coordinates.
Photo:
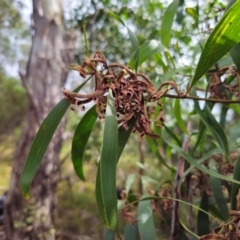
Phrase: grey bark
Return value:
(45, 74)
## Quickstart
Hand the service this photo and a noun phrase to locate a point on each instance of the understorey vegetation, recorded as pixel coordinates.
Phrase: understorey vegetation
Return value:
(186, 113)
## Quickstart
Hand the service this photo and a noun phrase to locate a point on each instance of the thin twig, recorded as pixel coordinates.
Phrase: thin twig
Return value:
(201, 99)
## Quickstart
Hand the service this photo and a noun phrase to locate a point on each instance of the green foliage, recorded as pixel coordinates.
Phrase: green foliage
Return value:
(202, 218)
(11, 26)
(167, 22)
(223, 38)
(196, 158)
(80, 138)
(218, 194)
(108, 163)
(14, 104)
(145, 220)
(41, 143)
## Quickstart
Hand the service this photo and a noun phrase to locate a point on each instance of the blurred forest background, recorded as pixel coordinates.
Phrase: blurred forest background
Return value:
(38, 40)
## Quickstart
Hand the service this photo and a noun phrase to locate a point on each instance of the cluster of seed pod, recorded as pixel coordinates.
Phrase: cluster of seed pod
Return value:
(133, 94)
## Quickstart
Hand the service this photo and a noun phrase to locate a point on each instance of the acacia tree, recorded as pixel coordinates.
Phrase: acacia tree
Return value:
(45, 72)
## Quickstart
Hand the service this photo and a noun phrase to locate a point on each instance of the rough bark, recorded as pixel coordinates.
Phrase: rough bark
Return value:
(45, 73)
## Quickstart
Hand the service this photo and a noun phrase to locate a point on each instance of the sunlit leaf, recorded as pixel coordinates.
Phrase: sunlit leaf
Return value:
(193, 13)
(222, 39)
(234, 52)
(41, 142)
(98, 193)
(80, 140)
(169, 58)
(167, 22)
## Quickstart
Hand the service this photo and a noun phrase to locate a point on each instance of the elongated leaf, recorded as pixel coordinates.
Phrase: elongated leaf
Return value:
(194, 163)
(202, 218)
(129, 182)
(109, 234)
(153, 146)
(167, 22)
(213, 126)
(158, 59)
(234, 53)
(131, 232)
(174, 199)
(222, 39)
(178, 115)
(146, 50)
(98, 193)
(135, 49)
(201, 160)
(193, 13)
(145, 220)
(169, 58)
(201, 137)
(235, 187)
(218, 129)
(215, 211)
(123, 136)
(116, 17)
(172, 72)
(173, 135)
(218, 194)
(41, 142)
(80, 140)
(133, 38)
(108, 165)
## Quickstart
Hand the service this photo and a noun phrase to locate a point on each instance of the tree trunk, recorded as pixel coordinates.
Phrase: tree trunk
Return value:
(45, 73)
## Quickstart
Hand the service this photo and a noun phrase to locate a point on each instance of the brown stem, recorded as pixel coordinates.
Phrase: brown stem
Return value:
(175, 223)
(201, 99)
(78, 95)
